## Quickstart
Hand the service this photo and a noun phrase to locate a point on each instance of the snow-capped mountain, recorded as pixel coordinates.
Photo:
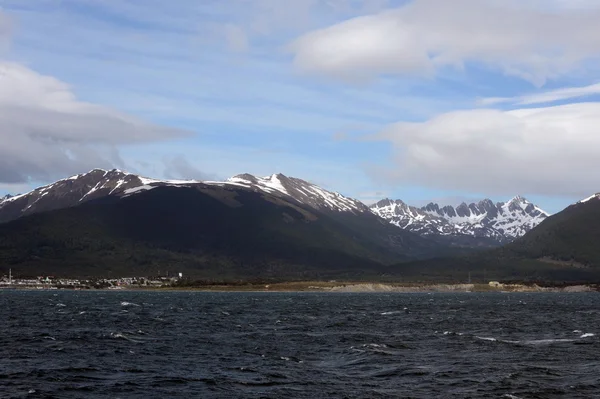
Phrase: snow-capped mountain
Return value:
(100, 183)
(75, 190)
(501, 222)
(301, 190)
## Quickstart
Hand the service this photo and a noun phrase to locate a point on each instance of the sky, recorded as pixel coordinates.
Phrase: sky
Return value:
(422, 100)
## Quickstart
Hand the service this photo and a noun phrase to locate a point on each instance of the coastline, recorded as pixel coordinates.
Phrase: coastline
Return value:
(363, 287)
(336, 287)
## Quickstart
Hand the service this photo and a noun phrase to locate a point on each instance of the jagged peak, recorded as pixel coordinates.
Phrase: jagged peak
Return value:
(518, 199)
(97, 171)
(276, 176)
(243, 176)
(387, 202)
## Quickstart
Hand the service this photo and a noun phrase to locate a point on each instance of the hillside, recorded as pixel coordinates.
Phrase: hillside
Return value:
(564, 247)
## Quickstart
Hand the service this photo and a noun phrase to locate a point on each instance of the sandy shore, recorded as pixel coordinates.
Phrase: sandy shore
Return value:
(380, 287)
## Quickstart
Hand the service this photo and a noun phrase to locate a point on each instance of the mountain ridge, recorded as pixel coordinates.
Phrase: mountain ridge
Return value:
(98, 183)
(474, 225)
(501, 222)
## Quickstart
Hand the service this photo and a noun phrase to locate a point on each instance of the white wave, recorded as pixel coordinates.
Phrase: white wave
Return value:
(124, 336)
(586, 335)
(527, 341)
(124, 303)
(486, 338)
(542, 341)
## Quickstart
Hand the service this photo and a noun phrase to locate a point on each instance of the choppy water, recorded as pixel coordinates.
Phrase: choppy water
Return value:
(190, 344)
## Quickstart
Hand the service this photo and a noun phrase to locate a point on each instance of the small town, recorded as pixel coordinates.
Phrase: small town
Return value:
(50, 282)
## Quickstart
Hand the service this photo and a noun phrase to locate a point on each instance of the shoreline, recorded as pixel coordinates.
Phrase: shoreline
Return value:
(338, 287)
(362, 287)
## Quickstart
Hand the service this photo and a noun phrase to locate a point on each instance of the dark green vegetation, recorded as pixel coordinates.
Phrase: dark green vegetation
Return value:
(563, 248)
(206, 232)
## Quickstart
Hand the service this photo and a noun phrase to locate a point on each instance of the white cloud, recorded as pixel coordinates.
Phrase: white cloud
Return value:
(546, 97)
(47, 132)
(532, 43)
(546, 151)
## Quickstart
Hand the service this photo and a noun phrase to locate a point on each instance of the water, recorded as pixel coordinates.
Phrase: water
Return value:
(104, 344)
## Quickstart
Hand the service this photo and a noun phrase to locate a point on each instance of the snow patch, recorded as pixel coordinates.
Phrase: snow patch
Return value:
(595, 196)
(134, 190)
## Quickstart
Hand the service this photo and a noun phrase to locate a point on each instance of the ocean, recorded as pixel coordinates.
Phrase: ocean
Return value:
(149, 344)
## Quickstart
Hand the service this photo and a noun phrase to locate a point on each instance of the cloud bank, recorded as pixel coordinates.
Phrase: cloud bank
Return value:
(522, 39)
(545, 151)
(47, 132)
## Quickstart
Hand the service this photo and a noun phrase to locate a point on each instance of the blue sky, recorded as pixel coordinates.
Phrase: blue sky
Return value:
(415, 100)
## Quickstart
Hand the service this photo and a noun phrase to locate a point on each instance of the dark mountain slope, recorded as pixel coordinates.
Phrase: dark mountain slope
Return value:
(204, 231)
(564, 247)
(571, 236)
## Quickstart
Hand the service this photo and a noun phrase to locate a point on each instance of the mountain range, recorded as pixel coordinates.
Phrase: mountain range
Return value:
(247, 226)
(478, 224)
(474, 225)
(279, 227)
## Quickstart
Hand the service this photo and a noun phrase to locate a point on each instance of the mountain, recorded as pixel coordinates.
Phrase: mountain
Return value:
(562, 248)
(245, 227)
(76, 190)
(476, 224)
(569, 238)
(100, 183)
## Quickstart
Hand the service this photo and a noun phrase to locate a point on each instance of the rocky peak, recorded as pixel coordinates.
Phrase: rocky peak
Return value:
(448, 211)
(71, 191)
(244, 177)
(384, 202)
(501, 221)
(431, 207)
